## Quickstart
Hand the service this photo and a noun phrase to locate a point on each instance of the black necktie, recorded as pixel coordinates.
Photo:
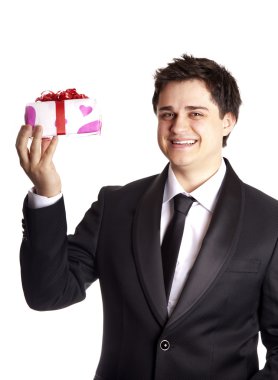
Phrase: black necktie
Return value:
(172, 239)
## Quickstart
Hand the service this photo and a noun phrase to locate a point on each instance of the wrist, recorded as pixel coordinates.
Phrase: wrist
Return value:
(48, 193)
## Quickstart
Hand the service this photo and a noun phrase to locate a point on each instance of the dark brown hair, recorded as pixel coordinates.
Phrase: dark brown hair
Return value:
(219, 82)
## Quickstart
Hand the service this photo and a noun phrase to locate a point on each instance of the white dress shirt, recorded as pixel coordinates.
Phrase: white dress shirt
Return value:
(196, 222)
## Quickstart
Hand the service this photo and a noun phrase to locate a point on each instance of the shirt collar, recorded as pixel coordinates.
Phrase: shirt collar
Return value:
(206, 194)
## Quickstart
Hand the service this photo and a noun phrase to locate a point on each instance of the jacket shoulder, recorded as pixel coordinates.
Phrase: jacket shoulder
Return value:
(253, 196)
(131, 191)
(263, 204)
(253, 192)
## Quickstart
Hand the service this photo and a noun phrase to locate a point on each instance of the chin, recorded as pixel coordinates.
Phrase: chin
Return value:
(181, 165)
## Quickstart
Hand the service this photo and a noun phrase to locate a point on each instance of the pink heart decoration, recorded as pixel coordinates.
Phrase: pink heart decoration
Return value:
(85, 110)
(92, 127)
(30, 115)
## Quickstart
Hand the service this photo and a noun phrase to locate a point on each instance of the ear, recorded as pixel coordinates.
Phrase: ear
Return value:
(229, 121)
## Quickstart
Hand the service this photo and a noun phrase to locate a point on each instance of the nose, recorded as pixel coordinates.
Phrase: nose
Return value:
(181, 124)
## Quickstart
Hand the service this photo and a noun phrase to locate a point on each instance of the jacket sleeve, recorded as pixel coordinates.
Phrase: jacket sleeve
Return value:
(269, 321)
(56, 269)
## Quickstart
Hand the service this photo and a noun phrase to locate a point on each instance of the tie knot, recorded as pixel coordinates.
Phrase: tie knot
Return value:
(182, 203)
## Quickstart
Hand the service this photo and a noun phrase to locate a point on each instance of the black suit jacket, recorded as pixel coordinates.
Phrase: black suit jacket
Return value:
(231, 293)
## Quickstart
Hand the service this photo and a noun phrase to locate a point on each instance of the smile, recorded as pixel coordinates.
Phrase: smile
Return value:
(184, 142)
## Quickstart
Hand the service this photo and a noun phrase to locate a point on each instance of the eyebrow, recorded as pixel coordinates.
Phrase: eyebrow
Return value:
(187, 108)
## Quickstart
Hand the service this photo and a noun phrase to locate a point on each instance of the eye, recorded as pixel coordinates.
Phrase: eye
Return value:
(167, 115)
(196, 115)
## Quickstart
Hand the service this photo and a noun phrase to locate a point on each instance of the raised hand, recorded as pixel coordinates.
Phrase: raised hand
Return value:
(37, 161)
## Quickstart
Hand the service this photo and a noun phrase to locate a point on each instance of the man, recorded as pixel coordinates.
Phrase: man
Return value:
(202, 320)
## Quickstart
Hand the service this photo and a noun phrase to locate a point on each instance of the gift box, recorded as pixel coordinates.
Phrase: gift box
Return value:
(64, 113)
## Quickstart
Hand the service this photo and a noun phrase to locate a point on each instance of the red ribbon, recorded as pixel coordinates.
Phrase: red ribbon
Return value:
(70, 93)
(60, 118)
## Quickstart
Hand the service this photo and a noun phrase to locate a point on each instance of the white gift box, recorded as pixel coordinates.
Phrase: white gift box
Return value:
(63, 117)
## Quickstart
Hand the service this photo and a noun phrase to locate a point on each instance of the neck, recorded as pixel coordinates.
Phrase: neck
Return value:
(190, 178)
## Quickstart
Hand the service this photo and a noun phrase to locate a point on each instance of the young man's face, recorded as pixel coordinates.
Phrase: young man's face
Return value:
(190, 131)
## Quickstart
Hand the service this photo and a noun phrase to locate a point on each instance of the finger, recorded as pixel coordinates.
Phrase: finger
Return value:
(22, 144)
(35, 148)
(50, 150)
(45, 144)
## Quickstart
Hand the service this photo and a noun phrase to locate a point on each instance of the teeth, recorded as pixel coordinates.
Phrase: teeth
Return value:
(186, 142)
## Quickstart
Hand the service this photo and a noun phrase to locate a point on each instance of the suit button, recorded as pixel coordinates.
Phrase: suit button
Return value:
(164, 345)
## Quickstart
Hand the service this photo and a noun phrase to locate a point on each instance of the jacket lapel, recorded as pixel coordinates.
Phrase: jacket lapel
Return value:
(218, 245)
(147, 252)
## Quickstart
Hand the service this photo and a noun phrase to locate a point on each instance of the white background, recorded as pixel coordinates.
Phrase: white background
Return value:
(110, 49)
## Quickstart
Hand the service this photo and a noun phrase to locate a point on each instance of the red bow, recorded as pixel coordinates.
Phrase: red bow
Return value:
(70, 93)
